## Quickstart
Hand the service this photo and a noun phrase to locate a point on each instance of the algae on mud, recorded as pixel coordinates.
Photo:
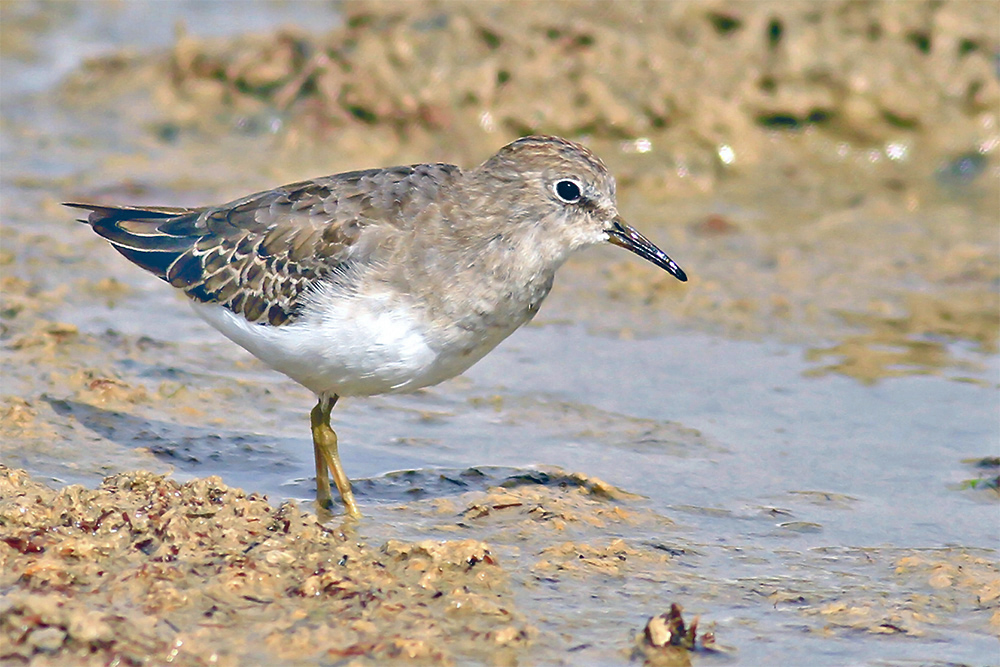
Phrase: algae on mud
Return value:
(199, 573)
(144, 568)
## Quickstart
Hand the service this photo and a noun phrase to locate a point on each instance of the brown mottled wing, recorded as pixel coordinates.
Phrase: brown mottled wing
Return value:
(258, 255)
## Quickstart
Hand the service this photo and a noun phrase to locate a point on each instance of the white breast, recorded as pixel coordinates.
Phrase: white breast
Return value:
(355, 347)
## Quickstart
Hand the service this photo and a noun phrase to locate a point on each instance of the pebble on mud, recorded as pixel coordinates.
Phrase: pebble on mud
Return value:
(667, 640)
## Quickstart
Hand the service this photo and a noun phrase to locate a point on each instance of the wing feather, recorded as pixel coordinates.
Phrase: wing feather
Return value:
(259, 255)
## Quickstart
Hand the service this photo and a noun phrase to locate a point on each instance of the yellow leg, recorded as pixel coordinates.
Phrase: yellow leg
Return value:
(328, 460)
(323, 497)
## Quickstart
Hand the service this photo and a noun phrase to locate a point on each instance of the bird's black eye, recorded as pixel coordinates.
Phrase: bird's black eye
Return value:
(568, 191)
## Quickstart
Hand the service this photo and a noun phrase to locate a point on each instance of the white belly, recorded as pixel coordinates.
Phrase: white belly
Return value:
(355, 347)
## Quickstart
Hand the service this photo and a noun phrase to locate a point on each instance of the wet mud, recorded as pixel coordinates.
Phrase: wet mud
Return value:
(145, 569)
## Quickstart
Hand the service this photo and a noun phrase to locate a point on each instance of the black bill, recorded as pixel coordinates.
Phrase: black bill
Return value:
(622, 235)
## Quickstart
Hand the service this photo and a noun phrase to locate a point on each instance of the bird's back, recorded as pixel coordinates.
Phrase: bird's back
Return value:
(258, 256)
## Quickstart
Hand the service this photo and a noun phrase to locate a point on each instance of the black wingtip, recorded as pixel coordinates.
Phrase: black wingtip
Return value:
(86, 207)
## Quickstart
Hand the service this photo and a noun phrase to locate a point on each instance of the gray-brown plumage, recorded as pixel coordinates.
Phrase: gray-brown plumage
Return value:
(257, 255)
(381, 280)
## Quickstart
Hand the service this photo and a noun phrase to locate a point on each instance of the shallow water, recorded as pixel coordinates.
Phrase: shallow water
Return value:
(782, 494)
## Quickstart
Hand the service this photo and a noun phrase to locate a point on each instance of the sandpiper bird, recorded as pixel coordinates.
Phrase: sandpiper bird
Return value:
(385, 280)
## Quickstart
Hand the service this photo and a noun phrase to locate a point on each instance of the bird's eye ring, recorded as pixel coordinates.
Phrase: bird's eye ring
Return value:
(568, 191)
